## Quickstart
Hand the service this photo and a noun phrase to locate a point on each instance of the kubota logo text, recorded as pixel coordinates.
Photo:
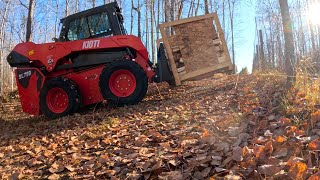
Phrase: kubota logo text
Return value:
(91, 44)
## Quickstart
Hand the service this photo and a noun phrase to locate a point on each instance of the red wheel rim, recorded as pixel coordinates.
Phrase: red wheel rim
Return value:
(122, 83)
(57, 100)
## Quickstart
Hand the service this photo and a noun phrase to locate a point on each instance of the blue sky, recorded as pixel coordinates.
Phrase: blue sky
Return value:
(245, 40)
(244, 29)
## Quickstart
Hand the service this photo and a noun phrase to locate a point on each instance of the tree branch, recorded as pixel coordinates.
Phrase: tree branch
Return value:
(23, 4)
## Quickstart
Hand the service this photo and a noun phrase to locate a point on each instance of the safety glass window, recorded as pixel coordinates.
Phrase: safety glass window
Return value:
(78, 29)
(99, 24)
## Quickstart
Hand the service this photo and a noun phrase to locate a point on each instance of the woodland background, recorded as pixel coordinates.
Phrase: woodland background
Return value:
(234, 127)
(38, 21)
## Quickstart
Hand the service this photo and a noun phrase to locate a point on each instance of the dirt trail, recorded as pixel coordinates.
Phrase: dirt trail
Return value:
(192, 131)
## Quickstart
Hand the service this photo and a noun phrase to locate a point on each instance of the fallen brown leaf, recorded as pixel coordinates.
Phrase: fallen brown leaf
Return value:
(269, 170)
(315, 176)
(56, 167)
(259, 152)
(298, 170)
(237, 154)
(314, 145)
(280, 152)
(280, 139)
(173, 175)
(54, 177)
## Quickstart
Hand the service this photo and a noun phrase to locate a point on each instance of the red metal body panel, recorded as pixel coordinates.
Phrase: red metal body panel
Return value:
(88, 83)
(144, 64)
(50, 54)
(29, 93)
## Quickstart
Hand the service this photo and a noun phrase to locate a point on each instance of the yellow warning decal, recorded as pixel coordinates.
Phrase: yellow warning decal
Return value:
(31, 52)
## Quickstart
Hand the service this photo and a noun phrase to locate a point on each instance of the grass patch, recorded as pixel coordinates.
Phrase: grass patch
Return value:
(302, 103)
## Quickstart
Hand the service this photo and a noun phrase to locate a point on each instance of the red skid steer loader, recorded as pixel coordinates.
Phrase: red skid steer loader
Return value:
(92, 60)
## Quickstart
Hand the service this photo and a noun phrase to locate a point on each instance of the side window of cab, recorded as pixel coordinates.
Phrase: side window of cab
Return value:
(99, 25)
(78, 29)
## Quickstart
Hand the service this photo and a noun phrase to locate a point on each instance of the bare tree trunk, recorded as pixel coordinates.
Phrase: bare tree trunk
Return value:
(301, 31)
(67, 8)
(158, 19)
(289, 41)
(131, 23)
(11, 69)
(29, 20)
(167, 15)
(139, 20)
(268, 59)
(272, 54)
(137, 9)
(197, 8)
(318, 28)
(85, 4)
(258, 58)
(255, 65)
(180, 8)
(223, 15)
(147, 25)
(172, 5)
(265, 44)
(313, 44)
(152, 29)
(231, 14)
(120, 4)
(279, 53)
(166, 11)
(46, 24)
(3, 24)
(56, 19)
(272, 42)
(190, 12)
(206, 6)
(77, 6)
(262, 57)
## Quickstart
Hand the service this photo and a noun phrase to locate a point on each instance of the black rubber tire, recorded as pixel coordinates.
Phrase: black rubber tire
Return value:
(73, 94)
(141, 83)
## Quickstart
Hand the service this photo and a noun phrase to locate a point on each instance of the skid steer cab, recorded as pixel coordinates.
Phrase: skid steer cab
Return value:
(92, 60)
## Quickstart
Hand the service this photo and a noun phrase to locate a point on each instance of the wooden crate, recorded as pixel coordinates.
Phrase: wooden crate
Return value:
(196, 47)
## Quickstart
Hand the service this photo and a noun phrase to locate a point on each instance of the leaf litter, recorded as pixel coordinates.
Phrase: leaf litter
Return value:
(203, 129)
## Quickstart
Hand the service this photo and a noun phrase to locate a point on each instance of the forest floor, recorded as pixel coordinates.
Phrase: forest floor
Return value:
(233, 127)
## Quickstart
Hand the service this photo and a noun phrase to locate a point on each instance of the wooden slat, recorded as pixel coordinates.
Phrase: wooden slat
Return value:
(222, 38)
(204, 71)
(187, 20)
(170, 55)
